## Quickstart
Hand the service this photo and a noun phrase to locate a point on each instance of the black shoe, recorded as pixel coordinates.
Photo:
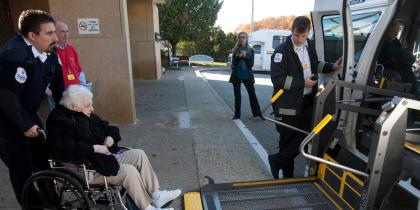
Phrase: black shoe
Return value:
(274, 169)
(286, 176)
(260, 116)
(235, 117)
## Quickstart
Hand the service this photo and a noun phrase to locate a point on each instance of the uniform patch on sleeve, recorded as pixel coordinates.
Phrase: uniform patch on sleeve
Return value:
(20, 75)
(278, 57)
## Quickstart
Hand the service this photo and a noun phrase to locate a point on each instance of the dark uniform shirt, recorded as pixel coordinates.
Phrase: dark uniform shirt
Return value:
(23, 80)
(287, 74)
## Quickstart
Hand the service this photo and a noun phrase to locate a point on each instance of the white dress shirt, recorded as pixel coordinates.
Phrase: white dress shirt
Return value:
(42, 56)
(302, 52)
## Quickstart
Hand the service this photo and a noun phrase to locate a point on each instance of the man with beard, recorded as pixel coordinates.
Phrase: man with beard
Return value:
(27, 66)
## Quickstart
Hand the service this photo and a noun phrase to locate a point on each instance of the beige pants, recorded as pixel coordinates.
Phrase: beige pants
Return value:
(136, 175)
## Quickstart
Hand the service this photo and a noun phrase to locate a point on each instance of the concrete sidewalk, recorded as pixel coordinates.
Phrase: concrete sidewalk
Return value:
(187, 133)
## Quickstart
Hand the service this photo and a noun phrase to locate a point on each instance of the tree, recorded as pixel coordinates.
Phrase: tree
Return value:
(187, 20)
(281, 23)
(217, 45)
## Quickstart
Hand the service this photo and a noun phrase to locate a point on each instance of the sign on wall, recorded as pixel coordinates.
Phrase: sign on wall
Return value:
(88, 25)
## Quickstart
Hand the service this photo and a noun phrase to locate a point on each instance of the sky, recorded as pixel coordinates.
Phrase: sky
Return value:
(235, 12)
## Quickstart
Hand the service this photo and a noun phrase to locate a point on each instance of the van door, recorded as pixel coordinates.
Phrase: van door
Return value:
(258, 56)
(364, 26)
(327, 18)
(332, 41)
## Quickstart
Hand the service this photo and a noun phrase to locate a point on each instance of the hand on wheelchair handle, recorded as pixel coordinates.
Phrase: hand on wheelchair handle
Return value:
(32, 132)
(109, 141)
(101, 149)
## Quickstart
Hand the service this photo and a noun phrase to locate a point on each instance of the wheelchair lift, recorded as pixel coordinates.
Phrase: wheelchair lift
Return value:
(330, 184)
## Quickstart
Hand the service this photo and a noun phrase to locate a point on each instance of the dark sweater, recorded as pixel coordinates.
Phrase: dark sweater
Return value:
(23, 80)
(71, 136)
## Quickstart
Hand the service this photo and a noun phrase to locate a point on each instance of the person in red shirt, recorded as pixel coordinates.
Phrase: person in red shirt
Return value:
(72, 70)
(73, 73)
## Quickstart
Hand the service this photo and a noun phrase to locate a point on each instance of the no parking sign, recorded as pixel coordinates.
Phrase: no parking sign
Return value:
(88, 25)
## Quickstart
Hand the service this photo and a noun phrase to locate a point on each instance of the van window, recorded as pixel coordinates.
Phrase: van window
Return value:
(277, 40)
(363, 25)
(257, 49)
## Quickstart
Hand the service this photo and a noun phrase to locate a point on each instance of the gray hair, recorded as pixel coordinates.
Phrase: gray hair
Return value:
(74, 95)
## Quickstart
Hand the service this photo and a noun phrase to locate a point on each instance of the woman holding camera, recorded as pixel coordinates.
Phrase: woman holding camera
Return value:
(242, 62)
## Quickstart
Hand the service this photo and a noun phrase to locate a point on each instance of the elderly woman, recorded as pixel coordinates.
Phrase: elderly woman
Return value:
(75, 133)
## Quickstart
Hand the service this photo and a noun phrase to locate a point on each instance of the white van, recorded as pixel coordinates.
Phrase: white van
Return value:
(264, 42)
(357, 34)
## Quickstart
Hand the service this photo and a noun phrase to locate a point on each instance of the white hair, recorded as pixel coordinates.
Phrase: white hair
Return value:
(74, 95)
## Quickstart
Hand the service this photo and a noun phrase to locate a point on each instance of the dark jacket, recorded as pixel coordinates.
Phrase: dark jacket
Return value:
(393, 55)
(249, 61)
(397, 59)
(287, 74)
(23, 80)
(71, 136)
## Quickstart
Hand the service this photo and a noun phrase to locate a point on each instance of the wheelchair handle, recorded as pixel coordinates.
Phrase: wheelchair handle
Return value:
(42, 134)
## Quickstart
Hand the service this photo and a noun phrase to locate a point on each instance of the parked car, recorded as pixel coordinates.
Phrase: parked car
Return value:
(200, 59)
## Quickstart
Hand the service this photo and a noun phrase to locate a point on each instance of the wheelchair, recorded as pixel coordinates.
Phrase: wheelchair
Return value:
(66, 186)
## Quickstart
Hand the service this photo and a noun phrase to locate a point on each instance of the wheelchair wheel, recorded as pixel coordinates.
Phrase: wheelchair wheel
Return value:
(73, 174)
(53, 190)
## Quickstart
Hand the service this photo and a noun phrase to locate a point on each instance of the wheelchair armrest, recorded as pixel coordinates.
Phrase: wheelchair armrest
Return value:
(76, 169)
(56, 161)
(125, 148)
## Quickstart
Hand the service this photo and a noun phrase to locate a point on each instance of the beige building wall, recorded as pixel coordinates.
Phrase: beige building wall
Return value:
(105, 56)
(143, 18)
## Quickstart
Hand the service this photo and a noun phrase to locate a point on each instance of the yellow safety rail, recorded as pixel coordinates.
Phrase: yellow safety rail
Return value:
(273, 99)
(322, 124)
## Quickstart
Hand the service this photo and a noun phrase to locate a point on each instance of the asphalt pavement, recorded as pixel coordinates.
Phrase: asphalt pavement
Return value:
(264, 131)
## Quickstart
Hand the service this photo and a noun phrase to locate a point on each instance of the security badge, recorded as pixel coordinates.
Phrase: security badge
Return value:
(70, 77)
(305, 66)
(278, 57)
(20, 75)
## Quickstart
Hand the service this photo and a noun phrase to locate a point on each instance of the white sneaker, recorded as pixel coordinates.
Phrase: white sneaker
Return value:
(165, 196)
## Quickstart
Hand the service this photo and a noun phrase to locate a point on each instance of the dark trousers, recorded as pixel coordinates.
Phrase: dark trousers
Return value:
(253, 101)
(23, 156)
(290, 140)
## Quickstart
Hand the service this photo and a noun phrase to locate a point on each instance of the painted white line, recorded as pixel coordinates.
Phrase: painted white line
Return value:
(252, 140)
